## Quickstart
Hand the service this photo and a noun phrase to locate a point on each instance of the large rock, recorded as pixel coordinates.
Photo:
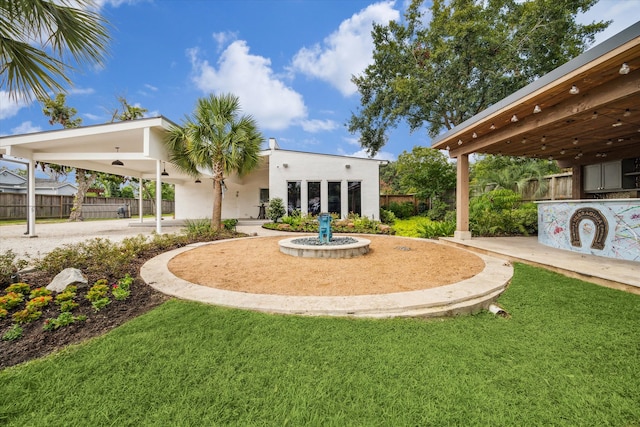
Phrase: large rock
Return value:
(68, 276)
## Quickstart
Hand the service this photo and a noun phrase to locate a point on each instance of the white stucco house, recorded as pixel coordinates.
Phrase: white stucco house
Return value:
(308, 182)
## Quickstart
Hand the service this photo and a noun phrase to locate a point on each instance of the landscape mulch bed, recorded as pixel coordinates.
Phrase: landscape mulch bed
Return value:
(36, 342)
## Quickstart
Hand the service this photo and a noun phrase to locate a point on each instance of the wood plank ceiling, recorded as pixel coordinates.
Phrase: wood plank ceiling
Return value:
(598, 123)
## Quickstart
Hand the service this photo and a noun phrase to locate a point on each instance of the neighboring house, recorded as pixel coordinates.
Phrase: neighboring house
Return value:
(11, 182)
(306, 182)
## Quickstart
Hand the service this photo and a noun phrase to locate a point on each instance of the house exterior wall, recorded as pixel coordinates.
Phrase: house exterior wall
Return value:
(305, 167)
(242, 197)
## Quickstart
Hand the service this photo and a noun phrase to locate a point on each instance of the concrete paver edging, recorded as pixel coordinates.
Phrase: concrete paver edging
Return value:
(462, 297)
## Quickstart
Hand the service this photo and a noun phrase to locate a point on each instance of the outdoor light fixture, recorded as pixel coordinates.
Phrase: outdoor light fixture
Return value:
(508, 141)
(524, 140)
(285, 165)
(537, 109)
(609, 142)
(627, 113)
(347, 166)
(492, 127)
(543, 139)
(624, 69)
(117, 162)
(575, 141)
(448, 148)
(574, 90)
(594, 115)
(474, 136)
(562, 151)
(164, 171)
(544, 147)
(550, 158)
(514, 118)
(618, 123)
(459, 142)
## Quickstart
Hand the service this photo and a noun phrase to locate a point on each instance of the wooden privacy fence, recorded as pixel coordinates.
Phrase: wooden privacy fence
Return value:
(14, 206)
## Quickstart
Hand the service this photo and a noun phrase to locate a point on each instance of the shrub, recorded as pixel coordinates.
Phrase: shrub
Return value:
(438, 210)
(19, 288)
(11, 300)
(39, 292)
(197, 227)
(275, 211)
(38, 302)
(402, 210)
(502, 212)
(10, 266)
(26, 316)
(229, 224)
(63, 319)
(436, 229)
(387, 216)
(13, 333)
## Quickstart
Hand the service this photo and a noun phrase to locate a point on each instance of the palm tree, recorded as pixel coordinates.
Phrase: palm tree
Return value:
(215, 138)
(35, 37)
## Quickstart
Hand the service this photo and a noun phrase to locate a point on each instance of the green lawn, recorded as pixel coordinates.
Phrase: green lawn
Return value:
(568, 355)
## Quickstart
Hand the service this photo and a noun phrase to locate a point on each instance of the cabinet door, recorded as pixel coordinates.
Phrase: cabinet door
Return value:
(612, 175)
(592, 177)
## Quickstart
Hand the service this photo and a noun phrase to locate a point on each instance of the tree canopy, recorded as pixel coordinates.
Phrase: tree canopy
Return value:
(470, 54)
(426, 173)
(41, 40)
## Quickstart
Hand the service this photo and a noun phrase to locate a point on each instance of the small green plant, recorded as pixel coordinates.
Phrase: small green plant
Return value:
(126, 282)
(26, 315)
(275, 211)
(436, 229)
(63, 319)
(10, 266)
(13, 333)
(387, 216)
(11, 300)
(119, 292)
(98, 295)
(230, 224)
(3, 313)
(197, 227)
(38, 302)
(19, 288)
(67, 306)
(39, 292)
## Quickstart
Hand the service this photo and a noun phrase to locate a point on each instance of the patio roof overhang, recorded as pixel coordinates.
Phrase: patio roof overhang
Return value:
(601, 122)
(140, 146)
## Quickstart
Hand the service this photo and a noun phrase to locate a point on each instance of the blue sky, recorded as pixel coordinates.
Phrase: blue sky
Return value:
(289, 62)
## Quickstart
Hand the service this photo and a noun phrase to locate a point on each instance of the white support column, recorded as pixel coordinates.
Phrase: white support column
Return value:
(31, 198)
(344, 198)
(158, 198)
(324, 196)
(304, 197)
(140, 200)
(462, 198)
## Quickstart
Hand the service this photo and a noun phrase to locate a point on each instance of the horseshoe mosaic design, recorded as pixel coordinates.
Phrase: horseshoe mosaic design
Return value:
(600, 221)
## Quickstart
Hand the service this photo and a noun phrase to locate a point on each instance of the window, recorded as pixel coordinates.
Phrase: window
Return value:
(313, 196)
(264, 195)
(293, 196)
(335, 201)
(354, 197)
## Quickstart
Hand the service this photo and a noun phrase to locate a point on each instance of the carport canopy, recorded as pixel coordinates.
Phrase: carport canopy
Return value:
(138, 144)
(584, 112)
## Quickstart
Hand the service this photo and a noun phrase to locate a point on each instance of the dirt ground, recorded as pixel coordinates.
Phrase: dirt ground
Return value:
(392, 265)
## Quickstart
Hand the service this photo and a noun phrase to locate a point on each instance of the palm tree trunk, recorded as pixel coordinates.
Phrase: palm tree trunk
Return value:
(216, 215)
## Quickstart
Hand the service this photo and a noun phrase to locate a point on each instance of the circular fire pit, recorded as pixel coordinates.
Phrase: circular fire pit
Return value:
(337, 247)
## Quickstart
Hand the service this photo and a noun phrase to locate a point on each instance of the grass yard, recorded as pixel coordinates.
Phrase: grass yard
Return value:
(568, 355)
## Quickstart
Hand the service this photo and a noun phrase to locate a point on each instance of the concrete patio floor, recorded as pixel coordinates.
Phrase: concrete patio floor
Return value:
(613, 273)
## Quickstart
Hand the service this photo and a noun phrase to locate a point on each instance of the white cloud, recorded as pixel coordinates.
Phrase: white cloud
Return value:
(380, 155)
(116, 3)
(93, 117)
(223, 38)
(82, 91)
(273, 104)
(9, 107)
(25, 127)
(150, 87)
(316, 125)
(347, 51)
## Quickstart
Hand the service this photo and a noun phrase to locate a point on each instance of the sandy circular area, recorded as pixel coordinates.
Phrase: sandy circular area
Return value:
(394, 264)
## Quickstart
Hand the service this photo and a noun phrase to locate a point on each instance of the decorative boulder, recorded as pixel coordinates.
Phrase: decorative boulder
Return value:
(66, 277)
